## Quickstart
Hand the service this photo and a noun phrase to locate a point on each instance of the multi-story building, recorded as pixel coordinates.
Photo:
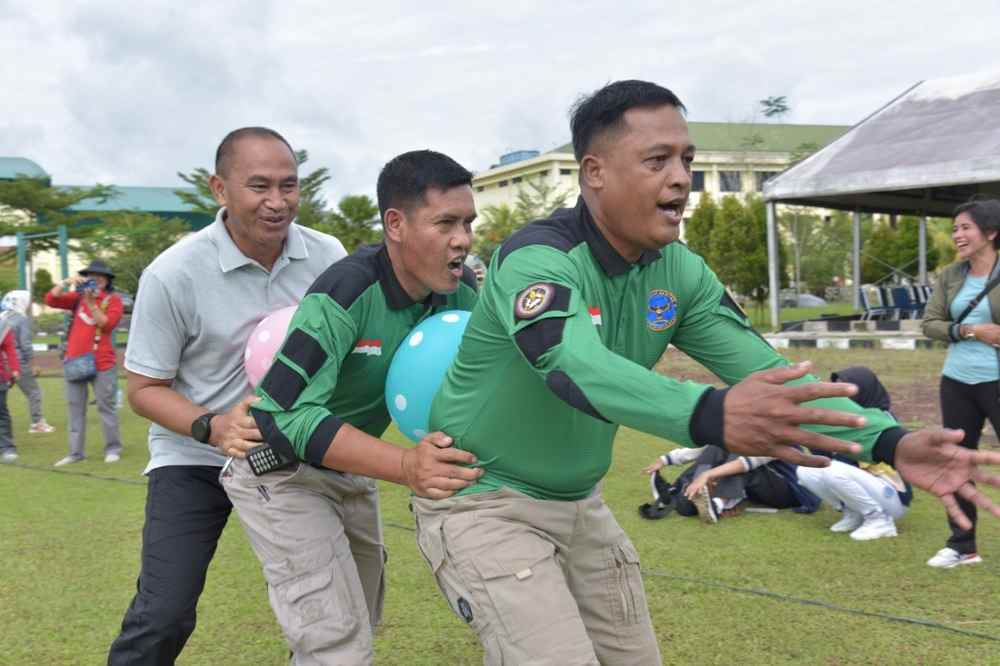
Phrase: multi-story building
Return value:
(731, 158)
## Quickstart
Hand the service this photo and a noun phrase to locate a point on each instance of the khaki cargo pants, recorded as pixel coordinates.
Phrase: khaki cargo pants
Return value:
(318, 536)
(540, 582)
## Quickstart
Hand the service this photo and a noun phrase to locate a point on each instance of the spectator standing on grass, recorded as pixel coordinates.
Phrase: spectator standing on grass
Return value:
(96, 310)
(15, 312)
(969, 388)
(10, 370)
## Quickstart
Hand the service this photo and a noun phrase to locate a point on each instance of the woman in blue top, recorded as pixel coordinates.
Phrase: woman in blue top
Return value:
(969, 389)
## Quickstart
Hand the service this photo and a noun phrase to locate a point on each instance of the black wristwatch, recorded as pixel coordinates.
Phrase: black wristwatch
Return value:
(201, 427)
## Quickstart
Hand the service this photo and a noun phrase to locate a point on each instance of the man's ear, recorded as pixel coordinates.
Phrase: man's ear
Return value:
(392, 224)
(218, 189)
(592, 172)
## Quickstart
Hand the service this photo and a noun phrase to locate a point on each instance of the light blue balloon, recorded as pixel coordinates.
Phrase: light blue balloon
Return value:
(418, 368)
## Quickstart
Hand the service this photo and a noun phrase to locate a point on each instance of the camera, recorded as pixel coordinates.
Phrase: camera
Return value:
(90, 284)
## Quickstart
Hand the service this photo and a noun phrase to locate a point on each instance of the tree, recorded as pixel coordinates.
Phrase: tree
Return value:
(41, 284)
(698, 231)
(499, 222)
(535, 202)
(129, 241)
(356, 221)
(775, 106)
(33, 206)
(894, 253)
(739, 247)
(311, 202)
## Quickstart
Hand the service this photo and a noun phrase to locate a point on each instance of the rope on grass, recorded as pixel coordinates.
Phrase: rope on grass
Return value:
(657, 573)
(91, 475)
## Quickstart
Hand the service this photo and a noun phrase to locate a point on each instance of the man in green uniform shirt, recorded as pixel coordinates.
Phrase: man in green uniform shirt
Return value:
(573, 315)
(316, 531)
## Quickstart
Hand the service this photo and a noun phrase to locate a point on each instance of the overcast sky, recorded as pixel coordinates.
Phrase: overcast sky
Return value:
(130, 93)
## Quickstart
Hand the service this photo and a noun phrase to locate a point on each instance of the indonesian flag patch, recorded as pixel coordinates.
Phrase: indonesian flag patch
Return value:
(595, 315)
(368, 348)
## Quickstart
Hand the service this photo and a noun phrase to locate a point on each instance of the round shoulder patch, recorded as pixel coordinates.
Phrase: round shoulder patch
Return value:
(661, 312)
(534, 300)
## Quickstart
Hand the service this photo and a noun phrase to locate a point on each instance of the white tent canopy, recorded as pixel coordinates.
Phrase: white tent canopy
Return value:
(931, 148)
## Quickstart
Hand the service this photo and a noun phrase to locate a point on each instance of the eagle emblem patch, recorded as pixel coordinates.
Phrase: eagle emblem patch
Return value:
(662, 310)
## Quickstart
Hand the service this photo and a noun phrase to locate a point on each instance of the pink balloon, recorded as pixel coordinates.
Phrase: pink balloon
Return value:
(264, 343)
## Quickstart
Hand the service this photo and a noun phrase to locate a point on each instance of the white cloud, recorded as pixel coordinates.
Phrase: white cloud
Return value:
(131, 94)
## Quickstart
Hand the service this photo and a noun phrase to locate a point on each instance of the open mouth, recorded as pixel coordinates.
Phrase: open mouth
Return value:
(673, 210)
(456, 266)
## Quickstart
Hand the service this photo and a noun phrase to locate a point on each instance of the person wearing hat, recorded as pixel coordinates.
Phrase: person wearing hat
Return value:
(96, 310)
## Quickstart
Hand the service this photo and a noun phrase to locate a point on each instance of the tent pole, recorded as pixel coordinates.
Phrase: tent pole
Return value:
(923, 250)
(856, 259)
(772, 266)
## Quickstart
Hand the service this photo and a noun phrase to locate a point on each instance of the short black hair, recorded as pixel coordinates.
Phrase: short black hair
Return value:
(602, 110)
(224, 153)
(985, 213)
(405, 179)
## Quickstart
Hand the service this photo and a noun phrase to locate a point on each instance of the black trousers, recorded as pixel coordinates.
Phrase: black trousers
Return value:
(967, 406)
(186, 510)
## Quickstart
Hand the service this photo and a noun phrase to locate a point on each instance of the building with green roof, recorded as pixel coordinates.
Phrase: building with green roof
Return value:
(15, 167)
(731, 158)
(160, 201)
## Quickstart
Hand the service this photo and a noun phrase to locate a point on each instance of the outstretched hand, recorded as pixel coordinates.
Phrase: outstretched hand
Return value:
(932, 459)
(762, 416)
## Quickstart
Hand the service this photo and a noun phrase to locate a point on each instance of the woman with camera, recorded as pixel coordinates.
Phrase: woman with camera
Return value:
(89, 357)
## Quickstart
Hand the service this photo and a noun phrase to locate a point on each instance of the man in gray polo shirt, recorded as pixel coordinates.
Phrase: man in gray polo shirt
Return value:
(197, 304)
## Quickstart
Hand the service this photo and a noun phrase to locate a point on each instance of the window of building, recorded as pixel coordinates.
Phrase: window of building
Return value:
(515, 179)
(480, 188)
(730, 181)
(565, 172)
(502, 183)
(697, 181)
(762, 177)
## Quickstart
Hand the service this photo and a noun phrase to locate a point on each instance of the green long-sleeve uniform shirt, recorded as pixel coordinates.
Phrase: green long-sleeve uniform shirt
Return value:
(331, 368)
(559, 352)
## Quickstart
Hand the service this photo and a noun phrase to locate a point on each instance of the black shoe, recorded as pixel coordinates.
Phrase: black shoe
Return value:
(655, 510)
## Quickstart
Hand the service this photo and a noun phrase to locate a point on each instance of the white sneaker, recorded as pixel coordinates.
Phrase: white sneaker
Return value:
(112, 458)
(68, 460)
(851, 521)
(9, 456)
(876, 526)
(949, 558)
(40, 427)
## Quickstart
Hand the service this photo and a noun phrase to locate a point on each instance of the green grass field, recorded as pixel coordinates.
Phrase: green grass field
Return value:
(758, 589)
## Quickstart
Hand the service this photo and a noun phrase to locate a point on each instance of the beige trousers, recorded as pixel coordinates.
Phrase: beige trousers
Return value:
(318, 536)
(540, 582)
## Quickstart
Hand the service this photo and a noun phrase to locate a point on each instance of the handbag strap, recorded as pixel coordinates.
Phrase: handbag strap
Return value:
(994, 281)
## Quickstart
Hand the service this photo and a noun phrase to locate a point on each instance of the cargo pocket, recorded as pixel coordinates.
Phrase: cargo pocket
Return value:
(628, 596)
(526, 588)
(311, 596)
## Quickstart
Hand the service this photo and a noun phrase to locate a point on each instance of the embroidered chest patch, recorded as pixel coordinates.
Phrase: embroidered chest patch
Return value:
(661, 312)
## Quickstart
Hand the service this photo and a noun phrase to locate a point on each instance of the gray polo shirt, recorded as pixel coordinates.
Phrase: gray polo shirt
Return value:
(196, 306)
